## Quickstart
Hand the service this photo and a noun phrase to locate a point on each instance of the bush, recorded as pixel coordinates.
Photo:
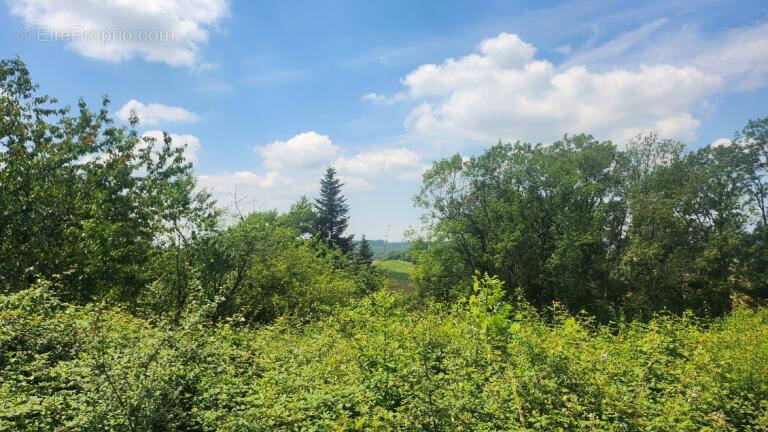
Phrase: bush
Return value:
(259, 269)
(379, 365)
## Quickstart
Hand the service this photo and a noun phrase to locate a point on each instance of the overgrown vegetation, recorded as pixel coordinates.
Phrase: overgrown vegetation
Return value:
(615, 232)
(576, 286)
(105, 215)
(379, 365)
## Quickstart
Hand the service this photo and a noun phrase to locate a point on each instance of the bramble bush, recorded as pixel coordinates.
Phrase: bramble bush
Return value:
(379, 364)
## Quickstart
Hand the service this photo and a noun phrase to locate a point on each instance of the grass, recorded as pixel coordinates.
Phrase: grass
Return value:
(399, 272)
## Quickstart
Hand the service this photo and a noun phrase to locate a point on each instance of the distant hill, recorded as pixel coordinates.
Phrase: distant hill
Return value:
(382, 247)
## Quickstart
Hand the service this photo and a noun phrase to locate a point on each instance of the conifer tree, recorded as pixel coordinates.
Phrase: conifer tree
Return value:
(364, 251)
(332, 213)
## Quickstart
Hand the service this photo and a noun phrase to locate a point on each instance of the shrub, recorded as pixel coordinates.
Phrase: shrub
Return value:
(483, 364)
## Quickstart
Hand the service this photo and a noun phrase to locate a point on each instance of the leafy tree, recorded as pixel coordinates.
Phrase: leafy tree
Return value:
(260, 269)
(543, 218)
(332, 213)
(364, 251)
(585, 224)
(84, 203)
(753, 139)
(301, 216)
(266, 271)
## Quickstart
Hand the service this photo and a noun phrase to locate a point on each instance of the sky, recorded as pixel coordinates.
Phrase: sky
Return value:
(266, 95)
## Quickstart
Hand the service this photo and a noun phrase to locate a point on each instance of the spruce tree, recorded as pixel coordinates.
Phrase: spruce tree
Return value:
(364, 251)
(332, 213)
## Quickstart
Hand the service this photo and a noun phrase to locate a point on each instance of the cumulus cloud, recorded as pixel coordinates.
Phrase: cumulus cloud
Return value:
(290, 168)
(398, 162)
(169, 31)
(721, 142)
(293, 167)
(152, 114)
(303, 150)
(503, 92)
(191, 142)
(248, 191)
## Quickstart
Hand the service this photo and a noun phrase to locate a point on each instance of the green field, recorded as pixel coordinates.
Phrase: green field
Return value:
(399, 272)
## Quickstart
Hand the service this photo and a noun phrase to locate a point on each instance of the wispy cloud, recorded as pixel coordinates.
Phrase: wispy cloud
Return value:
(387, 56)
(380, 99)
(738, 55)
(616, 46)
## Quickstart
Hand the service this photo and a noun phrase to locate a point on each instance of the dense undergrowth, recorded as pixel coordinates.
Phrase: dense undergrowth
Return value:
(379, 364)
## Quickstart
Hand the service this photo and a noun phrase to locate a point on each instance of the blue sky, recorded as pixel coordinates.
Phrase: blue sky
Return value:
(267, 94)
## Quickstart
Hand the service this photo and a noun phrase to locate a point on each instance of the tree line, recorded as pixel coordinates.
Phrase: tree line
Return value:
(612, 230)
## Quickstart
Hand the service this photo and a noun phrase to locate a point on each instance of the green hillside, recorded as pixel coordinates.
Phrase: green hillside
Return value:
(382, 247)
(399, 272)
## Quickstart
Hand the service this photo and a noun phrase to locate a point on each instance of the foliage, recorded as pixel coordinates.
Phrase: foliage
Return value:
(261, 268)
(128, 304)
(364, 251)
(332, 213)
(301, 217)
(378, 365)
(106, 215)
(85, 203)
(593, 227)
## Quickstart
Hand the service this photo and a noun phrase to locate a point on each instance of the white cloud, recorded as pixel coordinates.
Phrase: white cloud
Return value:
(168, 31)
(303, 150)
(503, 92)
(739, 55)
(293, 167)
(154, 113)
(290, 168)
(617, 46)
(231, 181)
(178, 141)
(380, 99)
(721, 142)
(250, 191)
(397, 162)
